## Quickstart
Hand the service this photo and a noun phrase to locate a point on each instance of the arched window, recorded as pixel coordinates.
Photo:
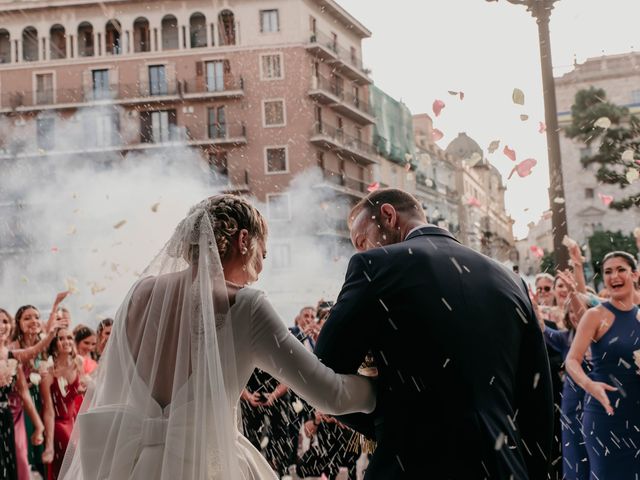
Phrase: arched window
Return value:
(170, 38)
(5, 46)
(57, 42)
(113, 37)
(85, 40)
(30, 44)
(198, 30)
(227, 28)
(141, 35)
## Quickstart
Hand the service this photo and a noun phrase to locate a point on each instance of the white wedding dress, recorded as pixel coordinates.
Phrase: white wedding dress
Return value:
(165, 401)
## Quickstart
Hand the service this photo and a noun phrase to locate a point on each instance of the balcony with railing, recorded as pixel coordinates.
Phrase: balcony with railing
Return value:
(341, 183)
(328, 136)
(346, 103)
(201, 87)
(142, 92)
(227, 134)
(347, 61)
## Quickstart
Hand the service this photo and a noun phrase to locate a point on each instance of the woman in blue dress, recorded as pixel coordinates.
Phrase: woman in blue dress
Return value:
(611, 422)
(575, 464)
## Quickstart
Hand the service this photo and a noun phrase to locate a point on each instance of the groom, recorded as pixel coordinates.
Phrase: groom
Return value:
(464, 389)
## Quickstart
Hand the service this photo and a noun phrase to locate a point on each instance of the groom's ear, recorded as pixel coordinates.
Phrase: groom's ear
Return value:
(388, 215)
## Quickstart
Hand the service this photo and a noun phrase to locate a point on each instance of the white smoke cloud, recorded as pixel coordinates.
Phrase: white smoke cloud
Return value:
(93, 222)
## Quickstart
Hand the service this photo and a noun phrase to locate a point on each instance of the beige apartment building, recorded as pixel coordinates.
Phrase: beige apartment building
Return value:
(619, 76)
(264, 89)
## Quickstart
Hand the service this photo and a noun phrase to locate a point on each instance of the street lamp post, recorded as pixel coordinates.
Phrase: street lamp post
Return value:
(541, 11)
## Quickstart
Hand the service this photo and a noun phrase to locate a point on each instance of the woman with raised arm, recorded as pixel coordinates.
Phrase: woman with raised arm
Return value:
(183, 346)
(611, 421)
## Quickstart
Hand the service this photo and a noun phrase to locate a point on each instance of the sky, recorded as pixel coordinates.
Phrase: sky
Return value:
(421, 49)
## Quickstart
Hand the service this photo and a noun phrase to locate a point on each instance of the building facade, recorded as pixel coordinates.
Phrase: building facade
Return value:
(619, 77)
(264, 91)
(539, 236)
(484, 222)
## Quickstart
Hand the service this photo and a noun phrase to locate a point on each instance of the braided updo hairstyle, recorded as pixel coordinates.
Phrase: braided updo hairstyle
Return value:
(230, 214)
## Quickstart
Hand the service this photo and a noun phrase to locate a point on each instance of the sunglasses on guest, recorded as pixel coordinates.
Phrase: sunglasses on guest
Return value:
(546, 288)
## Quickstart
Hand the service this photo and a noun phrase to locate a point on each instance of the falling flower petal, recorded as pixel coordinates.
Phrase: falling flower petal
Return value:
(87, 306)
(558, 200)
(537, 251)
(542, 127)
(154, 207)
(606, 199)
(453, 92)
(297, 406)
(72, 230)
(632, 175)
(54, 250)
(373, 187)
(511, 154)
(35, 378)
(264, 442)
(438, 105)
(517, 96)
(627, 155)
(407, 166)
(523, 169)
(71, 285)
(436, 135)
(408, 157)
(473, 202)
(493, 146)
(461, 95)
(524, 117)
(24, 279)
(96, 288)
(602, 122)
(120, 224)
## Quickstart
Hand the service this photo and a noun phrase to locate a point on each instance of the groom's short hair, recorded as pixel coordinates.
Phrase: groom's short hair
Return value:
(400, 200)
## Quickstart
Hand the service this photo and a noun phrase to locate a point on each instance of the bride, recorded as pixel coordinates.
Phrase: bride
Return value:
(184, 344)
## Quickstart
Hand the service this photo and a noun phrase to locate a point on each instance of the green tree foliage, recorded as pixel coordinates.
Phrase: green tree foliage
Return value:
(623, 134)
(548, 263)
(601, 243)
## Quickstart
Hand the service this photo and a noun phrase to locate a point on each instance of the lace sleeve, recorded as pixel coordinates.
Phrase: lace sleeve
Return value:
(277, 352)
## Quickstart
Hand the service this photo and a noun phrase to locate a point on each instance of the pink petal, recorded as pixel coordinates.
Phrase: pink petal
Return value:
(542, 127)
(436, 135)
(54, 250)
(438, 105)
(537, 251)
(461, 95)
(373, 187)
(523, 169)
(509, 153)
(473, 202)
(606, 199)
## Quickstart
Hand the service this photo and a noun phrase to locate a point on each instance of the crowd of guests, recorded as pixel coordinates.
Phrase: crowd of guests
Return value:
(45, 368)
(293, 436)
(593, 341)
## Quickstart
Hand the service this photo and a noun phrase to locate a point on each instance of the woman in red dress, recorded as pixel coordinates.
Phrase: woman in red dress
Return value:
(61, 391)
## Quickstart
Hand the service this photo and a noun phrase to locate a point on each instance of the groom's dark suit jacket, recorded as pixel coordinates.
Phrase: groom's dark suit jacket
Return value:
(464, 389)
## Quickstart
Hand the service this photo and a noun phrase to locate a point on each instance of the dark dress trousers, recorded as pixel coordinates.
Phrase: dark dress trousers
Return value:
(464, 389)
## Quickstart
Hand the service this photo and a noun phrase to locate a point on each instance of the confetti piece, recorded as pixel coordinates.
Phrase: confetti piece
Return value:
(373, 186)
(517, 96)
(71, 284)
(537, 251)
(54, 250)
(523, 169)
(96, 288)
(35, 378)
(461, 96)
(447, 304)
(120, 224)
(606, 199)
(297, 406)
(542, 127)
(473, 202)
(632, 175)
(627, 155)
(72, 230)
(558, 200)
(602, 122)
(453, 92)
(524, 117)
(154, 207)
(500, 441)
(511, 154)
(493, 146)
(87, 306)
(436, 134)
(438, 105)
(24, 279)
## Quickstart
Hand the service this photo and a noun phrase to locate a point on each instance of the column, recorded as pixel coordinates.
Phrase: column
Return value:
(208, 33)
(67, 41)
(46, 54)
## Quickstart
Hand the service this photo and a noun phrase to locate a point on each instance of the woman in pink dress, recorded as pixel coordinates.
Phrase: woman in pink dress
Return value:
(61, 392)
